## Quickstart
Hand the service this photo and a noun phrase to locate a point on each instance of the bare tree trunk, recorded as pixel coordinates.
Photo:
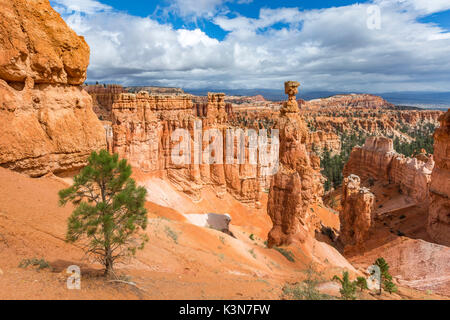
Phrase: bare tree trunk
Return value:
(108, 263)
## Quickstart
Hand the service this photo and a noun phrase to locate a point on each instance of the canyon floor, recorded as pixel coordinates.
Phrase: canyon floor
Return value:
(181, 260)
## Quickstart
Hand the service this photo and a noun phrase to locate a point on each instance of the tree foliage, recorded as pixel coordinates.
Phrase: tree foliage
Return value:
(386, 278)
(422, 139)
(348, 288)
(361, 283)
(109, 214)
(333, 165)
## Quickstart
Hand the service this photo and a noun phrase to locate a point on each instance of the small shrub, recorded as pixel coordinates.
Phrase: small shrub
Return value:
(361, 283)
(39, 263)
(171, 234)
(348, 289)
(306, 290)
(252, 237)
(252, 252)
(386, 278)
(400, 234)
(286, 253)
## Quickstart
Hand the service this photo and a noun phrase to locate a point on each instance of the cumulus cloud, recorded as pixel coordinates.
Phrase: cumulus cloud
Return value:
(421, 7)
(327, 49)
(80, 6)
(201, 8)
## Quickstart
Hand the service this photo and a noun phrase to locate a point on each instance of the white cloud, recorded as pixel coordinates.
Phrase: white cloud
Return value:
(422, 7)
(201, 8)
(328, 49)
(81, 6)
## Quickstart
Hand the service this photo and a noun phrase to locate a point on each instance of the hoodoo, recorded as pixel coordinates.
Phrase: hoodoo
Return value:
(357, 211)
(298, 182)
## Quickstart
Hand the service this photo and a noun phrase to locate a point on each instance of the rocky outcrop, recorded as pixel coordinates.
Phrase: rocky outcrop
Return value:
(439, 210)
(350, 101)
(47, 120)
(36, 43)
(372, 160)
(320, 141)
(219, 222)
(143, 128)
(291, 105)
(378, 160)
(157, 90)
(357, 212)
(103, 97)
(298, 182)
(370, 121)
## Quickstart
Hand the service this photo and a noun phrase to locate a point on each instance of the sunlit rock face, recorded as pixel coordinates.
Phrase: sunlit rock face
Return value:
(103, 97)
(47, 120)
(357, 212)
(378, 160)
(439, 211)
(298, 182)
(143, 128)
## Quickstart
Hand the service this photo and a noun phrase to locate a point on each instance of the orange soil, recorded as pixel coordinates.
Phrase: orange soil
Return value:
(181, 261)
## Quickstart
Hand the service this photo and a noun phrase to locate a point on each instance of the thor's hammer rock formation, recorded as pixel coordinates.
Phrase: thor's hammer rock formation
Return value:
(298, 182)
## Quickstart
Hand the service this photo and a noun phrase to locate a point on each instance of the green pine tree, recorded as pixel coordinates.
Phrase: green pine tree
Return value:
(361, 283)
(386, 278)
(109, 216)
(348, 289)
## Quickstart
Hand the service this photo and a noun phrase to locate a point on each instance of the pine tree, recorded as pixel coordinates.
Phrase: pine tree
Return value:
(109, 214)
(348, 289)
(361, 283)
(386, 278)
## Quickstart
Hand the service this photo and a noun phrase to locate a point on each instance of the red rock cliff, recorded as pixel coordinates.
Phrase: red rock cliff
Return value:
(47, 120)
(439, 211)
(143, 127)
(378, 160)
(103, 97)
(357, 212)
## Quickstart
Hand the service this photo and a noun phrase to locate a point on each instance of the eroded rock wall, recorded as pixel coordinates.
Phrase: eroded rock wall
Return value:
(350, 101)
(47, 120)
(357, 212)
(439, 210)
(144, 127)
(378, 160)
(321, 140)
(103, 97)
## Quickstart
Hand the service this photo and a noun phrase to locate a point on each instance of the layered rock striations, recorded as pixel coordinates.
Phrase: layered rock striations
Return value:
(298, 182)
(439, 210)
(357, 213)
(376, 121)
(145, 131)
(350, 101)
(321, 140)
(103, 97)
(47, 120)
(378, 160)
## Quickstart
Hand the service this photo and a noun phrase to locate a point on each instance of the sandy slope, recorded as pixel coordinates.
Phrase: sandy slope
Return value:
(181, 261)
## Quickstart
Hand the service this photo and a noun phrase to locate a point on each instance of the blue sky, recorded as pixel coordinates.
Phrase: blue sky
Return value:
(372, 46)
